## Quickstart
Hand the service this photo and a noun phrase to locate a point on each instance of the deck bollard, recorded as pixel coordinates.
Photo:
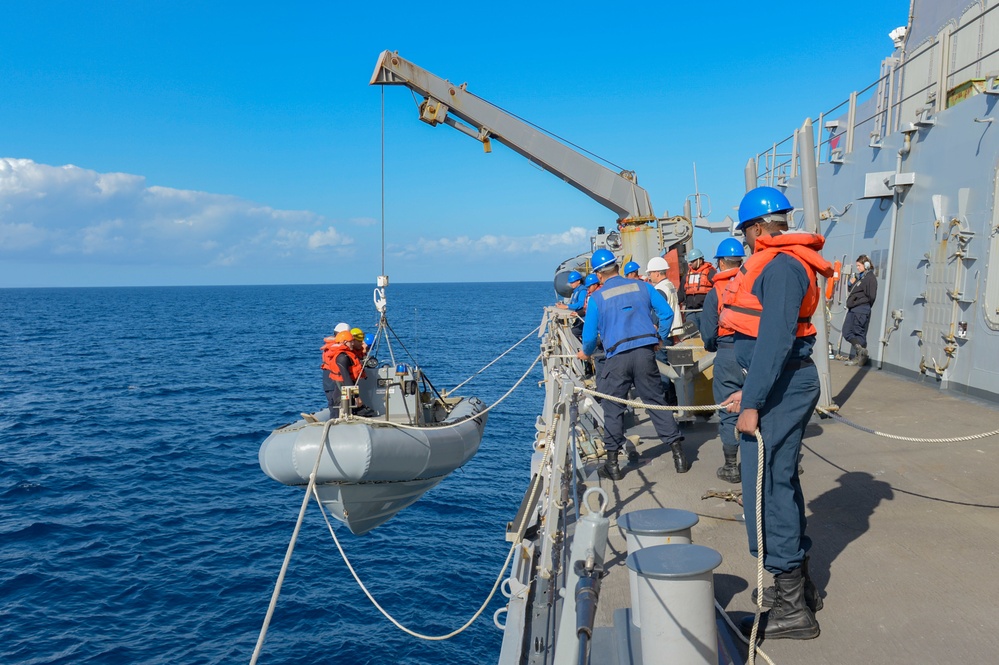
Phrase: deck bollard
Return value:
(655, 526)
(677, 598)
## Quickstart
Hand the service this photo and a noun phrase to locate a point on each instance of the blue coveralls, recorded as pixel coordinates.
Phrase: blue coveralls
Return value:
(576, 304)
(728, 374)
(783, 384)
(620, 312)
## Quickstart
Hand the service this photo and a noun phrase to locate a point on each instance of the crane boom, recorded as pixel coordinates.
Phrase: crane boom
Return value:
(444, 102)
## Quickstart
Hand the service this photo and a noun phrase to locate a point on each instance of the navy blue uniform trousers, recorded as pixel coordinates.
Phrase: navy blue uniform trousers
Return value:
(855, 325)
(619, 372)
(782, 423)
(727, 379)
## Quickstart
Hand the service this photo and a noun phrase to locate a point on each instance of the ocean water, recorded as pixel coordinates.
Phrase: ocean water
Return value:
(137, 527)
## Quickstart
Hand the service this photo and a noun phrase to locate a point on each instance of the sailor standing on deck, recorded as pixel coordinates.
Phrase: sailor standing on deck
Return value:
(863, 293)
(620, 312)
(728, 375)
(658, 275)
(770, 310)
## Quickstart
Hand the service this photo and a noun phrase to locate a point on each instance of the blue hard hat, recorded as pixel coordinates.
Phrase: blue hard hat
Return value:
(729, 248)
(369, 339)
(631, 267)
(759, 202)
(574, 276)
(694, 254)
(602, 258)
(591, 279)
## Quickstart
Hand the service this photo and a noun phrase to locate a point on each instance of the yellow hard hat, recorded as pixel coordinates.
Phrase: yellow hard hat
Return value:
(358, 334)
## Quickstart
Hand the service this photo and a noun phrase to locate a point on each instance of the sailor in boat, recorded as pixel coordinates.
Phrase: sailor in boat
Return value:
(698, 284)
(728, 375)
(342, 364)
(620, 312)
(770, 309)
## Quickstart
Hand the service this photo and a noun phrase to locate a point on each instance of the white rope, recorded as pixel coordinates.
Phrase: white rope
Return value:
(493, 361)
(652, 407)
(376, 421)
(432, 638)
(911, 439)
(291, 548)
(759, 545)
(738, 633)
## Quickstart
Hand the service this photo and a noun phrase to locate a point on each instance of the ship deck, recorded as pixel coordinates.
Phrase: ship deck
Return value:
(905, 535)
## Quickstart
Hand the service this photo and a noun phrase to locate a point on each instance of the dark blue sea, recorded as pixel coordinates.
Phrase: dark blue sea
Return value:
(137, 527)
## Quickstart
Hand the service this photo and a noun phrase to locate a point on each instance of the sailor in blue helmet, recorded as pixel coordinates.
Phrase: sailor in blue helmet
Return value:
(631, 270)
(728, 376)
(620, 313)
(770, 310)
(577, 301)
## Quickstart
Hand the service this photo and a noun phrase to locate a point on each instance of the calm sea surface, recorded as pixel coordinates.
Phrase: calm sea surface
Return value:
(137, 527)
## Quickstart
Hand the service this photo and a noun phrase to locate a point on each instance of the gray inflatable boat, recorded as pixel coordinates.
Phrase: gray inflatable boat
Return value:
(374, 467)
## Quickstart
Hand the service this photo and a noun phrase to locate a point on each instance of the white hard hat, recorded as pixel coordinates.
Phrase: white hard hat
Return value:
(657, 263)
(341, 327)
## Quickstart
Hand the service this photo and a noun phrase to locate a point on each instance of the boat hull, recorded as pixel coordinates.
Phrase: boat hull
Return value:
(368, 472)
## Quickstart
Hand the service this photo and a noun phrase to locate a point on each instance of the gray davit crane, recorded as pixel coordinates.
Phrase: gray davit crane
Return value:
(640, 234)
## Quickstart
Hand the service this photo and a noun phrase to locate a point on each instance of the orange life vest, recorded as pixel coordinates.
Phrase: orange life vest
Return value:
(698, 283)
(741, 310)
(721, 281)
(831, 284)
(332, 350)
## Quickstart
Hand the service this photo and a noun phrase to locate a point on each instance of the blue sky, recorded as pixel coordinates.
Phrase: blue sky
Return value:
(153, 143)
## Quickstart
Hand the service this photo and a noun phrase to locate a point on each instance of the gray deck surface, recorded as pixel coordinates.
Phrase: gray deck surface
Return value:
(906, 535)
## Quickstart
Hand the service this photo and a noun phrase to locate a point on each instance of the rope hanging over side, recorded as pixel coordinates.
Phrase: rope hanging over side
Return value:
(291, 548)
(395, 622)
(495, 360)
(486, 410)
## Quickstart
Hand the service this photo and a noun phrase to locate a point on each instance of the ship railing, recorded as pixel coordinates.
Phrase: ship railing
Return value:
(951, 61)
(550, 504)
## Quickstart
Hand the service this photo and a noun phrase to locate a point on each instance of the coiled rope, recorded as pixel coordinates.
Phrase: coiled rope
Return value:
(898, 437)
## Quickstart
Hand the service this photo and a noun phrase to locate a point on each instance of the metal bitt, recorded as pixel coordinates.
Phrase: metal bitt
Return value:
(587, 557)
(655, 526)
(676, 595)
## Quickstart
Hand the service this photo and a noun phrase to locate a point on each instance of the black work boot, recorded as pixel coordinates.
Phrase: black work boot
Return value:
(790, 617)
(856, 355)
(610, 469)
(679, 459)
(731, 472)
(862, 356)
(812, 597)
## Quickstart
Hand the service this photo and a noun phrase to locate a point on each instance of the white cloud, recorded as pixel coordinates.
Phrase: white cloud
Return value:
(79, 214)
(576, 238)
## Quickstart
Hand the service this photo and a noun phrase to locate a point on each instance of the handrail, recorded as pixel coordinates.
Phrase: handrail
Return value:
(889, 111)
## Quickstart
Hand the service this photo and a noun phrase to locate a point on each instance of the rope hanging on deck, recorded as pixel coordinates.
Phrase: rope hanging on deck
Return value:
(913, 439)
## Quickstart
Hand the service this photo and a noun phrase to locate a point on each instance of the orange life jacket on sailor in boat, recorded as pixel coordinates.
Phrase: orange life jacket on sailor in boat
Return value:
(698, 283)
(332, 349)
(741, 310)
(721, 281)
